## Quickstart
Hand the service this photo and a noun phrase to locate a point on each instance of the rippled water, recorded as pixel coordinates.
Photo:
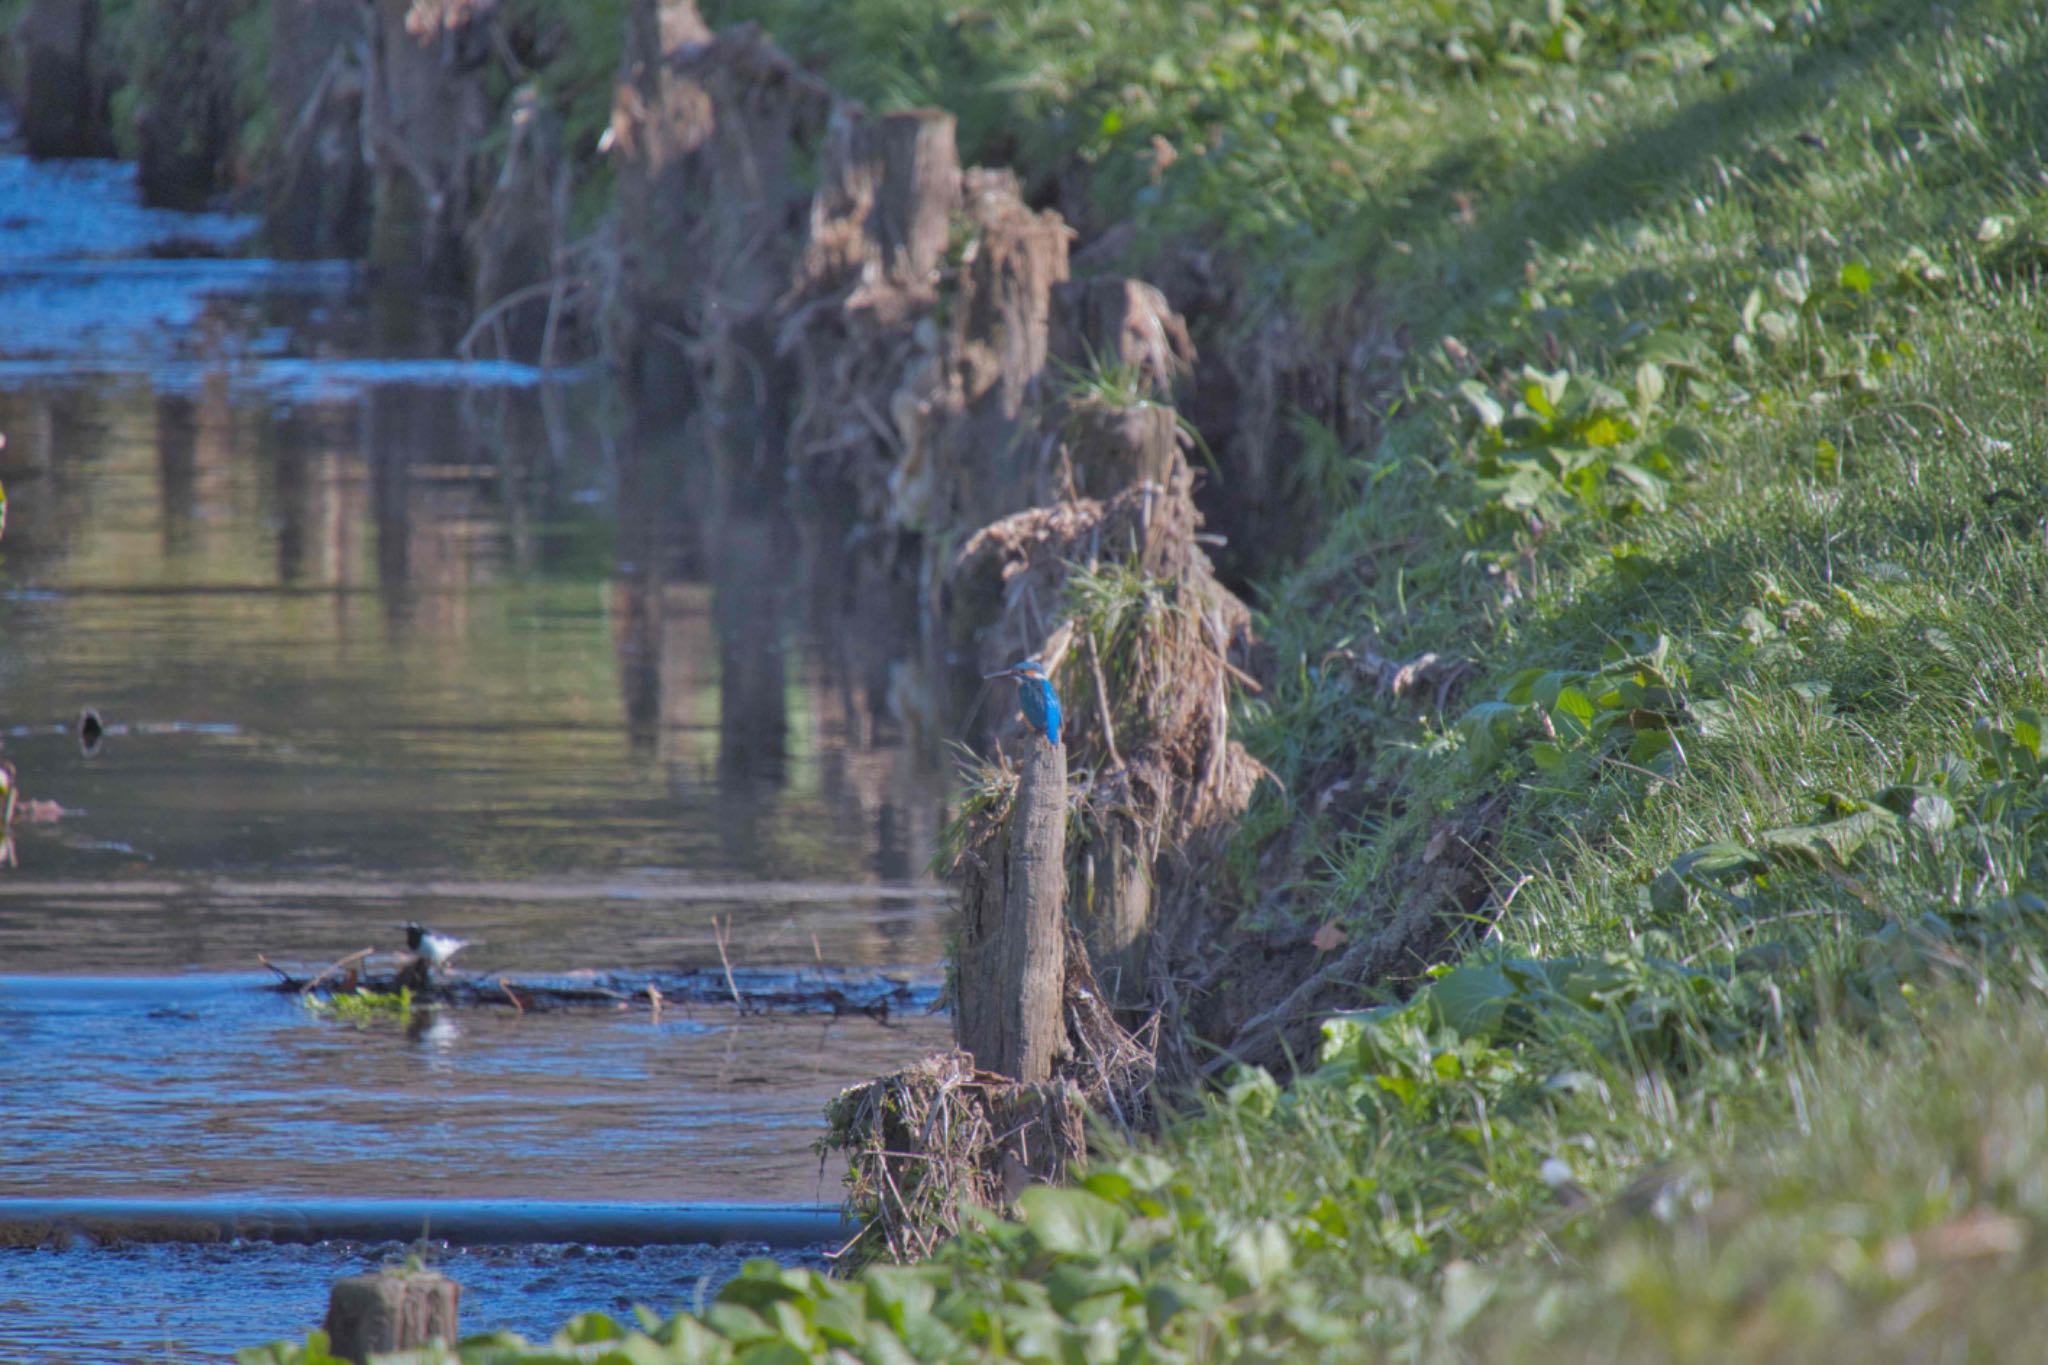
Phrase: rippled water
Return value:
(376, 636)
(185, 1302)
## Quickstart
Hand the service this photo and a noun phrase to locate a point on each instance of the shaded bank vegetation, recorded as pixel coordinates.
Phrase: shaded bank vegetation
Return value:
(1630, 417)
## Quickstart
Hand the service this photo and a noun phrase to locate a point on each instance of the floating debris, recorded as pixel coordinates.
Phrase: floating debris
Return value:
(757, 990)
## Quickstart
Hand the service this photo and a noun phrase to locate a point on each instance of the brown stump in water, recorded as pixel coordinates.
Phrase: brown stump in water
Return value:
(1012, 973)
(393, 1311)
(64, 83)
(186, 117)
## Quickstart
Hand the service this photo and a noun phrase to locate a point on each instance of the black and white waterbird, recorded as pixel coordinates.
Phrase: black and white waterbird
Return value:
(431, 948)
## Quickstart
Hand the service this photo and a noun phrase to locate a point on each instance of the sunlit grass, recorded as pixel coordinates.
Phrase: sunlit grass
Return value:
(1728, 492)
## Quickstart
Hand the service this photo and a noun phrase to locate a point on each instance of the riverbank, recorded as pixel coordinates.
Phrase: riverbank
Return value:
(1669, 381)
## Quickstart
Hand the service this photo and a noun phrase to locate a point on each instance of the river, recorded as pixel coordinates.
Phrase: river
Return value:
(377, 636)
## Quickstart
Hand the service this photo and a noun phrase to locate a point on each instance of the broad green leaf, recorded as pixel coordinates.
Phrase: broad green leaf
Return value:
(1777, 328)
(1472, 1000)
(1791, 285)
(1487, 730)
(1603, 432)
(1590, 982)
(1856, 275)
(1650, 488)
(1552, 385)
(1522, 684)
(585, 1328)
(896, 1294)
(1827, 461)
(1070, 1221)
(1828, 844)
(1114, 1186)
(1261, 1253)
(1576, 704)
(1670, 896)
(1653, 749)
(1466, 1290)
(1485, 404)
(1253, 1090)
(1719, 862)
(1649, 384)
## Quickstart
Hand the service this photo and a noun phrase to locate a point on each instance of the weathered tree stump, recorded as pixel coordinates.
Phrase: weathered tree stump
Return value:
(879, 221)
(427, 112)
(186, 75)
(318, 183)
(1012, 973)
(63, 79)
(396, 1310)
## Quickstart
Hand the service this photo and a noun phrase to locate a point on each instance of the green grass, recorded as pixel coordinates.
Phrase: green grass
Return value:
(1728, 485)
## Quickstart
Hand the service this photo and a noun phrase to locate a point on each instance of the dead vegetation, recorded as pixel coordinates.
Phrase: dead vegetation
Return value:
(924, 1143)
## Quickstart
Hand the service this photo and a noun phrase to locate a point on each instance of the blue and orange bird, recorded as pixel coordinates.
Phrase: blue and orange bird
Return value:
(1036, 695)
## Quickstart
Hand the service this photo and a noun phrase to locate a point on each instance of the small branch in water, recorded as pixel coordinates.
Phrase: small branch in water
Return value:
(495, 312)
(852, 1242)
(719, 931)
(335, 968)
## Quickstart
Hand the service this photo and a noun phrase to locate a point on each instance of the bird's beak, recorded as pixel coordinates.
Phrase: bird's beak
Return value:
(1006, 673)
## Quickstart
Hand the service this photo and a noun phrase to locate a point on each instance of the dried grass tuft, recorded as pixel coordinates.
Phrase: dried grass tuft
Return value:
(923, 1143)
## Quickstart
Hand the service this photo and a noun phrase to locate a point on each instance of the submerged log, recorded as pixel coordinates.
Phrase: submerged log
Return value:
(750, 990)
(396, 1310)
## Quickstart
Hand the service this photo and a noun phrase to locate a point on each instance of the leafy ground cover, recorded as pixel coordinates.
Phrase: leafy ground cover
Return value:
(1718, 460)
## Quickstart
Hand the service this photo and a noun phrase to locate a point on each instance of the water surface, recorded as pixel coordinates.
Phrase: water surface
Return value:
(376, 635)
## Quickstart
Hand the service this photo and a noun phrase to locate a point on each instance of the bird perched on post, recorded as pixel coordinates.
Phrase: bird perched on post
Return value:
(1036, 695)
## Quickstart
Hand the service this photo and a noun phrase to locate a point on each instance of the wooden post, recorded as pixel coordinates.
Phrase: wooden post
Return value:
(393, 1311)
(1032, 953)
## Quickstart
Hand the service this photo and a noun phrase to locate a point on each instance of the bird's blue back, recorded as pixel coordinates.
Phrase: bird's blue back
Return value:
(1041, 706)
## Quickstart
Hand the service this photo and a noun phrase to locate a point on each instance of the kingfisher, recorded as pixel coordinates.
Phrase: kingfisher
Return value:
(1036, 695)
